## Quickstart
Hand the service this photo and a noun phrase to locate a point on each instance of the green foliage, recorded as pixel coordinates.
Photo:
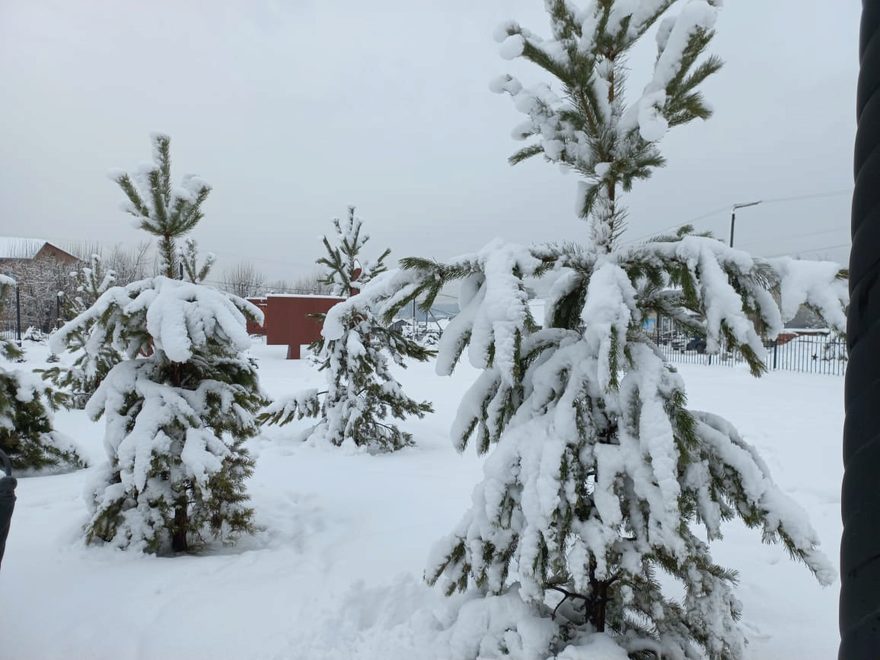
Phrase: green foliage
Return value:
(600, 477)
(362, 398)
(189, 259)
(344, 271)
(587, 59)
(26, 433)
(190, 508)
(163, 210)
(178, 395)
(362, 395)
(88, 369)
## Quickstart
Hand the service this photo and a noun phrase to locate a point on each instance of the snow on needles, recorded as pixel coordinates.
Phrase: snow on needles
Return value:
(820, 284)
(609, 311)
(589, 432)
(178, 316)
(673, 38)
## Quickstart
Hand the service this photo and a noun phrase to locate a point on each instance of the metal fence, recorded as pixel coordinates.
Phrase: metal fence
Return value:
(14, 321)
(813, 351)
(10, 317)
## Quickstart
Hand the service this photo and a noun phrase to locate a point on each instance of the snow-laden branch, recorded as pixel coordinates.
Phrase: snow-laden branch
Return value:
(161, 314)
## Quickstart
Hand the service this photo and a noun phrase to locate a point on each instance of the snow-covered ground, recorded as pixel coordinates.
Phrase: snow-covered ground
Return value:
(336, 570)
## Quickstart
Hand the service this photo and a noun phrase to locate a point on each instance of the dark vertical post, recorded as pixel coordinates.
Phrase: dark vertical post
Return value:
(860, 498)
(775, 346)
(7, 500)
(733, 215)
(18, 315)
(657, 334)
(732, 223)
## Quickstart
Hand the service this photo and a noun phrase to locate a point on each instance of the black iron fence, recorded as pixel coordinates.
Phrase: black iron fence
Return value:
(807, 351)
(15, 319)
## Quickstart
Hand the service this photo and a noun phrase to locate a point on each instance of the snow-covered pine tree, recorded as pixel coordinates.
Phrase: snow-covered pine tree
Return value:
(602, 488)
(180, 405)
(82, 377)
(356, 351)
(189, 260)
(343, 271)
(26, 405)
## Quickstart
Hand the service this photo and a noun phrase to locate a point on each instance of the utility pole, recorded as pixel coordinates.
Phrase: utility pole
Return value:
(859, 615)
(733, 215)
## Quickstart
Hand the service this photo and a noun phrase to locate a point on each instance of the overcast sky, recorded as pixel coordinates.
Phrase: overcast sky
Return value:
(294, 110)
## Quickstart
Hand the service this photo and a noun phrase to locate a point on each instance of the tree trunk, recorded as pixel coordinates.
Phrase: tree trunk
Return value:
(169, 256)
(181, 525)
(599, 602)
(181, 512)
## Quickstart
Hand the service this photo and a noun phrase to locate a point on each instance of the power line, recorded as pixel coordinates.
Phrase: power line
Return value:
(830, 193)
(772, 200)
(657, 232)
(796, 236)
(810, 251)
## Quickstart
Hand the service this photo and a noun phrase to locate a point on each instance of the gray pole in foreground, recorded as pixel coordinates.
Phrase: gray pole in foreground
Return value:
(7, 499)
(733, 215)
(860, 497)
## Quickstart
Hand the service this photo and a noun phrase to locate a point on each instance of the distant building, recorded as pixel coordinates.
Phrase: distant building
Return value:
(29, 250)
(41, 270)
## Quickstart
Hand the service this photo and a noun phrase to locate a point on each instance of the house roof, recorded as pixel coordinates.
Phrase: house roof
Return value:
(14, 247)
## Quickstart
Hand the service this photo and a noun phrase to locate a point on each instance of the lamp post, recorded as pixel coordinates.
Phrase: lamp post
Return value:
(733, 215)
(859, 615)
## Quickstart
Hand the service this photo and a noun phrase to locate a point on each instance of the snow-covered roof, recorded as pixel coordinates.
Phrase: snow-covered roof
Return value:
(12, 247)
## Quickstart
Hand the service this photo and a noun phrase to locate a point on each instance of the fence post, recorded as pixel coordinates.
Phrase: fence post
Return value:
(775, 346)
(18, 314)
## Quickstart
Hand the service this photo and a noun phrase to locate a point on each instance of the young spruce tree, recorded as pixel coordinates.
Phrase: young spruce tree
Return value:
(26, 405)
(87, 370)
(602, 487)
(181, 403)
(356, 351)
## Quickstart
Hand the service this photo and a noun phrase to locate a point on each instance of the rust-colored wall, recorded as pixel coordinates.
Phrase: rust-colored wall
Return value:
(254, 328)
(288, 321)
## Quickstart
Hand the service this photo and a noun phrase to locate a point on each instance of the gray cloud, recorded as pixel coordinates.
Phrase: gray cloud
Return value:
(293, 110)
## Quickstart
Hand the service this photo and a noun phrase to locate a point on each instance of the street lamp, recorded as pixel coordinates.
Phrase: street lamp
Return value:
(733, 215)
